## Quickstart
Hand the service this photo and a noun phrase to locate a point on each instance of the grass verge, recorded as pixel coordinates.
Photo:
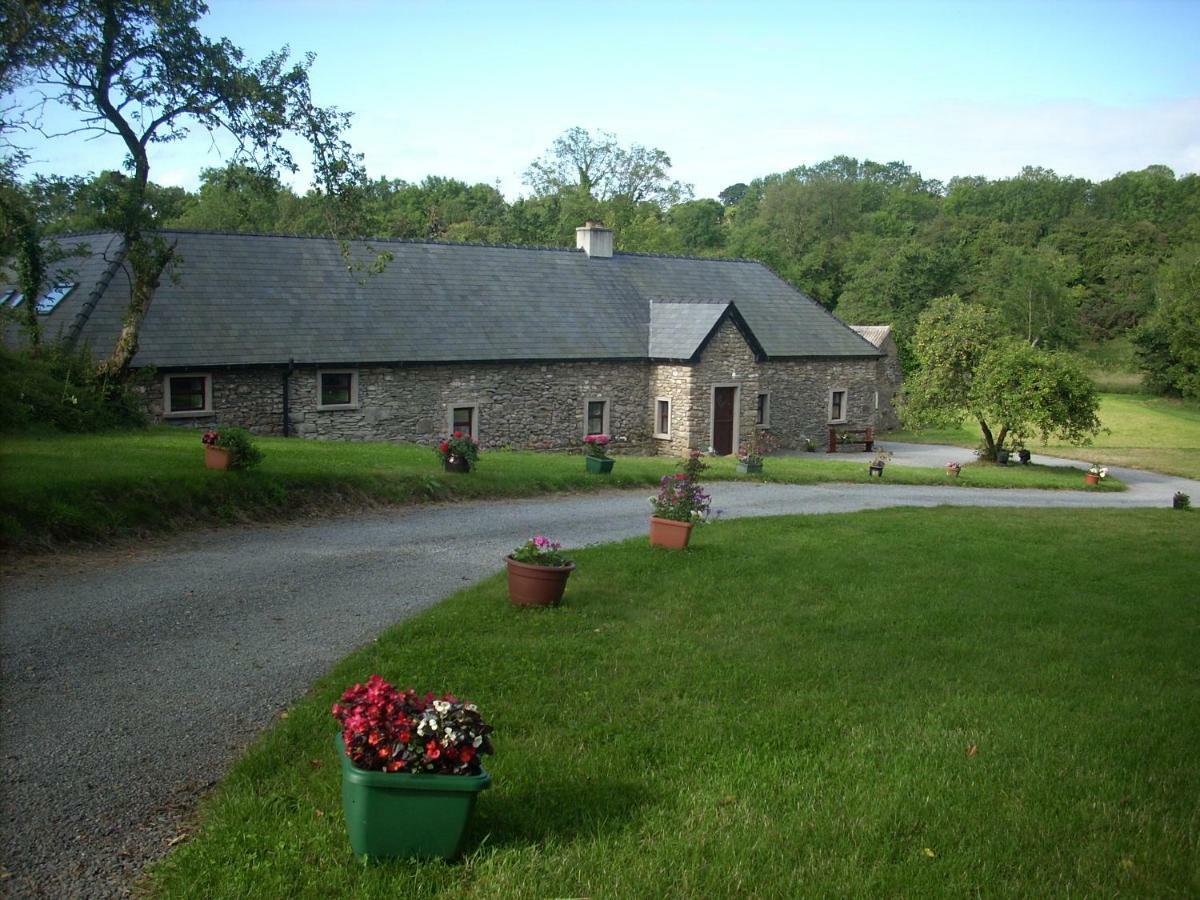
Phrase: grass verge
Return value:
(905, 702)
(1144, 432)
(93, 487)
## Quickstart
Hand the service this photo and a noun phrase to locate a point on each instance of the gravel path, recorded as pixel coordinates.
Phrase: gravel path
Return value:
(131, 681)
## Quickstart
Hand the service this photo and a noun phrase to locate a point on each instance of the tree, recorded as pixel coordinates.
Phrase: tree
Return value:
(969, 368)
(601, 169)
(1033, 292)
(142, 71)
(1168, 341)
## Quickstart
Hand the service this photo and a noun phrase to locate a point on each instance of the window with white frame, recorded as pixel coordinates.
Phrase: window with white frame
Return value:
(662, 417)
(464, 418)
(595, 417)
(762, 416)
(337, 389)
(837, 405)
(187, 395)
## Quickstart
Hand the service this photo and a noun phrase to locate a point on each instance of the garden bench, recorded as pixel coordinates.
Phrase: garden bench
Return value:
(851, 437)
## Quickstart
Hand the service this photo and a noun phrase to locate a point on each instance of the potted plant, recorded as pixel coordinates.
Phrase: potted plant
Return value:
(750, 455)
(229, 448)
(1024, 456)
(1094, 473)
(680, 504)
(538, 572)
(953, 469)
(1181, 501)
(878, 461)
(1001, 457)
(411, 769)
(595, 450)
(458, 452)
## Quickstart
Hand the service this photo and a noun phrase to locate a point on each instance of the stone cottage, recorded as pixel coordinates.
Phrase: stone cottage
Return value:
(517, 346)
(890, 374)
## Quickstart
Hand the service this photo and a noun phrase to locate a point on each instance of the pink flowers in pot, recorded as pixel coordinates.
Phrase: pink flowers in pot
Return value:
(596, 445)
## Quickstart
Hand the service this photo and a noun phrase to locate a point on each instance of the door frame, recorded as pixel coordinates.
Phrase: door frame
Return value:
(712, 415)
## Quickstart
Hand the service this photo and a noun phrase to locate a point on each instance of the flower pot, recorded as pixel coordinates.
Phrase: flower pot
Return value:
(952, 471)
(456, 463)
(530, 585)
(598, 466)
(1024, 456)
(874, 470)
(394, 814)
(749, 467)
(669, 533)
(1002, 457)
(217, 458)
(1091, 478)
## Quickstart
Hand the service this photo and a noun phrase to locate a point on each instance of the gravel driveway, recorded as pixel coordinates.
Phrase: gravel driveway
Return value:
(132, 680)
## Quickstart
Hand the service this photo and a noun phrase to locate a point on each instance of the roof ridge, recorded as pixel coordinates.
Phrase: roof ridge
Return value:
(365, 240)
(737, 259)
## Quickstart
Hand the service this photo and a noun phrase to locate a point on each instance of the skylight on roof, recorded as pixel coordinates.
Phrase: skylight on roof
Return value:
(54, 296)
(5, 297)
(16, 297)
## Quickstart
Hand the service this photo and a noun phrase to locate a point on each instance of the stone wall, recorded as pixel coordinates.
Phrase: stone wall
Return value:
(890, 378)
(541, 406)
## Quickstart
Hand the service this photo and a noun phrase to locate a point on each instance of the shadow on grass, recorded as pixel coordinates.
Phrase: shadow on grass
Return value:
(555, 811)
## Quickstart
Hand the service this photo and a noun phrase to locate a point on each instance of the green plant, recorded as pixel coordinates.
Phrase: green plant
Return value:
(1098, 470)
(761, 443)
(680, 496)
(460, 446)
(243, 454)
(539, 550)
(1181, 501)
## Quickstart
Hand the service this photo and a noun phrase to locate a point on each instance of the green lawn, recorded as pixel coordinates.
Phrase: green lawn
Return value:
(1144, 432)
(907, 703)
(92, 487)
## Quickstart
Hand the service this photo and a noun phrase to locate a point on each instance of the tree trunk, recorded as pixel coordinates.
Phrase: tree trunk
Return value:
(989, 443)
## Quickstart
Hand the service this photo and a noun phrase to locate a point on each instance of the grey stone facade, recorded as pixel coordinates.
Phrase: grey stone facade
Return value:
(542, 405)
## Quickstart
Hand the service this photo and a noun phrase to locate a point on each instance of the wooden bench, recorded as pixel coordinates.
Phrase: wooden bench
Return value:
(851, 437)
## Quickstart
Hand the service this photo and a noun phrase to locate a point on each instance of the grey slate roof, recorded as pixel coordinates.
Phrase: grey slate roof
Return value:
(238, 299)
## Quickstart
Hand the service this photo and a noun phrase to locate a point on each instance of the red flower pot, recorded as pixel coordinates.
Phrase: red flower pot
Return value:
(1090, 478)
(530, 585)
(216, 458)
(669, 533)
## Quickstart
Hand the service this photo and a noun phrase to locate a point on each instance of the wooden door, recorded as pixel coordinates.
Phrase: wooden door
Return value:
(724, 410)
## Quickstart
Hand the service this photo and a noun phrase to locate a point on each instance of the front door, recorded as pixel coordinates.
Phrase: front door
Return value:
(724, 409)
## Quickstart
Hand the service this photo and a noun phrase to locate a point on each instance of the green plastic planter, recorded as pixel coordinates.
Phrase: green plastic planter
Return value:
(394, 815)
(599, 466)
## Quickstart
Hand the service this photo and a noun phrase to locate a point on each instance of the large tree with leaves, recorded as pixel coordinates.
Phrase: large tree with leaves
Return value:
(968, 368)
(141, 70)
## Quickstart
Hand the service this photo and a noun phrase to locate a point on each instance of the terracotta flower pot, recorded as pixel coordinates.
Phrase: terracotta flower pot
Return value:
(1091, 478)
(217, 458)
(952, 471)
(530, 585)
(669, 533)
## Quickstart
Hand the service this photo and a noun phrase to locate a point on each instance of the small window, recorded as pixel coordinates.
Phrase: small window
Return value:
(54, 296)
(837, 406)
(662, 418)
(462, 418)
(339, 390)
(16, 296)
(762, 417)
(596, 416)
(6, 296)
(187, 395)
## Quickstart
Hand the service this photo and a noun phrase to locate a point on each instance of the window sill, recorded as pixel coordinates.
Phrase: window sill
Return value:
(661, 437)
(338, 408)
(188, 414)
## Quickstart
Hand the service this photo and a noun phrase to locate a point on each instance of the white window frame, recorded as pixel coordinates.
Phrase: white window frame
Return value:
(657, 433)
(845, 405)
(353, 404)
(606, 418)
(169, 413)
(472, 405)
(766, 422)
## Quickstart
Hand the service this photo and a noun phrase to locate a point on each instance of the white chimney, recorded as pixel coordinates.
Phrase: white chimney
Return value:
(595, 240)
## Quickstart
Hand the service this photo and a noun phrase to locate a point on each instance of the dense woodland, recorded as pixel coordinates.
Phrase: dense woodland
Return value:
(1061, 259)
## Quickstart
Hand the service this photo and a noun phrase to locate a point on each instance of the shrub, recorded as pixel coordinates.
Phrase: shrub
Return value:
(242, 452)
(58, 389)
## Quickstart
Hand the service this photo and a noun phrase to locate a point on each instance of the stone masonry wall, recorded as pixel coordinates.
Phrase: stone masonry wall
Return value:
(527, 406)
(541, 406)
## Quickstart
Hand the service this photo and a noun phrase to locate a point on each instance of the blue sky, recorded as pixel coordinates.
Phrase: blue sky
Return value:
(731, 91)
